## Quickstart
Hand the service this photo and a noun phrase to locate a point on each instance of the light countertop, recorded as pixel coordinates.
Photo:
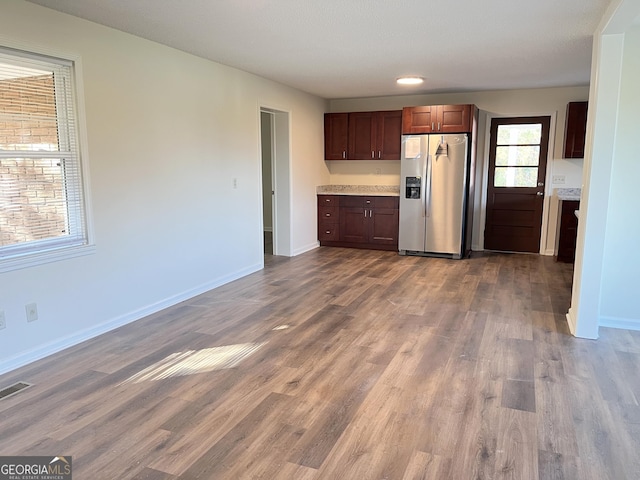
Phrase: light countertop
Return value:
(568, 193)
(373, 190)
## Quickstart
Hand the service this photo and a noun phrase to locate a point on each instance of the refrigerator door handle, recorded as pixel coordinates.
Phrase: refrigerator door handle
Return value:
(423, 184)
(427, 194)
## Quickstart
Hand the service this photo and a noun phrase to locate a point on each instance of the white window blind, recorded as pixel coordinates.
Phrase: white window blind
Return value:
(41, 195)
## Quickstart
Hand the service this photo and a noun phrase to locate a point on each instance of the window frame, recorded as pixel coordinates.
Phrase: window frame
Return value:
(61, 248)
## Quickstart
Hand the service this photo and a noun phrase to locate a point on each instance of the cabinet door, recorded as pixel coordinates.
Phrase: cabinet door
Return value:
(336, 131)
(453, 119)
(354, 223)
(416, 120)
(389, 135)
(575, 130)
(362, 136)
(568, 231)
(383, 226)
(437, 119)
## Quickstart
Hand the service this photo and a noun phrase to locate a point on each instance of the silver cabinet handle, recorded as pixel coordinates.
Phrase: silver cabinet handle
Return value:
(379, 153)
(438, 126)
(373, 154)
(365, 214)
(344, 154)
(433, 126)
(540, 194)
(327, 214)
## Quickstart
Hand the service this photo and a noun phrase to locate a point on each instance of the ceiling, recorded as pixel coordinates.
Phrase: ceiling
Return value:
(357, 48)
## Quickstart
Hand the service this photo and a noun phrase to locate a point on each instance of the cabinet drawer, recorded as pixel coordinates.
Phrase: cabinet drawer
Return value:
(328, 214)
(328, 232)
(328, 201)
(386, 202)
(356, 201)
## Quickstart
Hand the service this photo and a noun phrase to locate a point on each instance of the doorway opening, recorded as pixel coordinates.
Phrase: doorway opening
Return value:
(276, 189)
(268, 191)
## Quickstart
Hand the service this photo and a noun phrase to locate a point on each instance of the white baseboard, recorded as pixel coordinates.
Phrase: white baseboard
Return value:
(623, 323)
(58, 345)
(306, 248)
(588, 333)
(571, 320)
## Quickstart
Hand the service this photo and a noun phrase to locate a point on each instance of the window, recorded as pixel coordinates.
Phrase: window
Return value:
(517, 155)
(42, 208)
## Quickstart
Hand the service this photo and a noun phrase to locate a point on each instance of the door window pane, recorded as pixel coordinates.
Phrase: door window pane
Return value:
(517, 155)
(515, 177)
(520, 134)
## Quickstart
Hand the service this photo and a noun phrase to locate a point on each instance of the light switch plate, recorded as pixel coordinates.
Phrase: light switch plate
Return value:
(559, 179)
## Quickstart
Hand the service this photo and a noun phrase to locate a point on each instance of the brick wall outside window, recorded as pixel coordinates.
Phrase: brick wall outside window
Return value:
(30, 182)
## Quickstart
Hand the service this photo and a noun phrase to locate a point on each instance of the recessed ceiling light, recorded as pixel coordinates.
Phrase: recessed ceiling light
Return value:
(410, 80)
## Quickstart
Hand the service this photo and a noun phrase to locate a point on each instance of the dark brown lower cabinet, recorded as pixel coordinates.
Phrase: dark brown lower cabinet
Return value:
(356, 221)
(568, 231)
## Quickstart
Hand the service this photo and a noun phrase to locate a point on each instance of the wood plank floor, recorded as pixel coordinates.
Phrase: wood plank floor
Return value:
(345, 364)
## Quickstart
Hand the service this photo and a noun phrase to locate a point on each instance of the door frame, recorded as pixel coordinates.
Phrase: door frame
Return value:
(280, 178)
(546, 248)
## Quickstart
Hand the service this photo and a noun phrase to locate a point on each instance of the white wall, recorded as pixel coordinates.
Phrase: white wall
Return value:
(605, 282)
(167, 134)
(545, 101)
(364, 172)
(621, 265)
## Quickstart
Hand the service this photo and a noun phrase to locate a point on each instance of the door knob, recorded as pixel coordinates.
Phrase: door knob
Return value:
(540, 194)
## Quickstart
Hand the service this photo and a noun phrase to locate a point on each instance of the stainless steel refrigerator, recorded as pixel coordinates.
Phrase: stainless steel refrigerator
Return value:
(435, 196)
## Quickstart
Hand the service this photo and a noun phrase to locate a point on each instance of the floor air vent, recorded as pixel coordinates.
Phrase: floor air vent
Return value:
(13, 389)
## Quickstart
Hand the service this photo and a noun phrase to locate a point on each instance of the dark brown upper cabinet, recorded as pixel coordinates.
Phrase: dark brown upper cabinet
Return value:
(575, 129)
(369, 135)
(336, 132)
(437, 119)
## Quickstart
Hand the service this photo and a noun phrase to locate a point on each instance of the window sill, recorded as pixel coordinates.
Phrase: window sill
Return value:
(40, 258)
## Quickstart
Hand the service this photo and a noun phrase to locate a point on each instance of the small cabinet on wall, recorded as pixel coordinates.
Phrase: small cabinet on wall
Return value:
(358, 221)
(575, 129)
(363, 135)
(437, 119)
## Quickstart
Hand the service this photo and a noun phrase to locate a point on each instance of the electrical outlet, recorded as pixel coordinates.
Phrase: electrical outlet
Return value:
(559, 179)
(32, 312)
(3, 323)
(235, 183)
